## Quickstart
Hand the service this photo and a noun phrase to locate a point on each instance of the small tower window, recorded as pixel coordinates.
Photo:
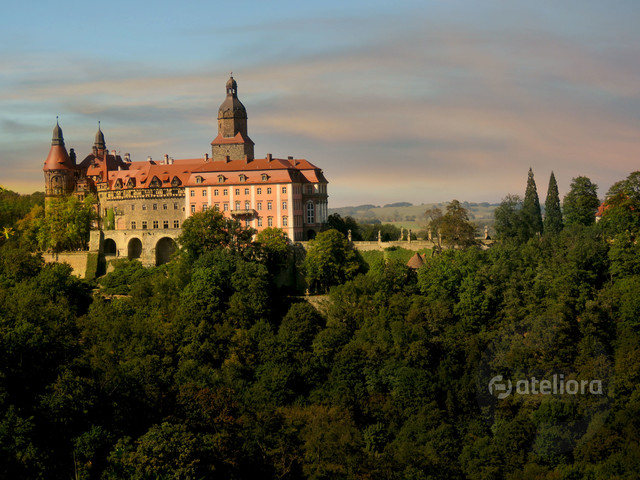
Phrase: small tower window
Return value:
(221, 178)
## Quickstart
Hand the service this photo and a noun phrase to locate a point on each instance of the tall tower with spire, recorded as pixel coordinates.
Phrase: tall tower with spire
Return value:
(232, 141)
(59, 168)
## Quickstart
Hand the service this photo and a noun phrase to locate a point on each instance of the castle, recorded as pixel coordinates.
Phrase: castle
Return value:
(290, 194)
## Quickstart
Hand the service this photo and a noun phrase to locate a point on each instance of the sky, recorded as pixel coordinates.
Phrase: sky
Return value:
(419, 101)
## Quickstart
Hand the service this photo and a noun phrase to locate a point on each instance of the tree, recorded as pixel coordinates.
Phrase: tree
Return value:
(553, 214)
(274, 247)
(343, 225)
(455, 227)
(209, 230)
(330, 261)
(581, 203)
(64, 226)
(531, 207)
(622, 207)
(509, 220)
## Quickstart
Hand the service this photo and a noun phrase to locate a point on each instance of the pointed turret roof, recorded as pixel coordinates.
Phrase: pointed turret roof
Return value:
(58, 158)
(99, 141)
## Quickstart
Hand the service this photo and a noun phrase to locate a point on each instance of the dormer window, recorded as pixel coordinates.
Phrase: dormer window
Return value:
(155, 182)
(265, 177)
(243, 178)
(221, 178)
(175, 182)
(118, 184)
(131, 183)
(198, 179)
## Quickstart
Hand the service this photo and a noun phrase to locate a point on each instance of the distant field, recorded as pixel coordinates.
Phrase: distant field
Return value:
(404, 214)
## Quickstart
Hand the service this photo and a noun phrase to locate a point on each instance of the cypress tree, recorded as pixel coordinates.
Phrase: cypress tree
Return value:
(531, 207)
(552, 213)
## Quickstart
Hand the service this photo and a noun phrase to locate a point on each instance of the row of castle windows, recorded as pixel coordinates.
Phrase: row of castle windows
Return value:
(247, 206)
(156, 224)
(225, 191)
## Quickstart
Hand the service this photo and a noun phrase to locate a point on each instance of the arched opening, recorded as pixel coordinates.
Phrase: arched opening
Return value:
(311, 234)
(110, 247)
(164, 249)
(134, 249)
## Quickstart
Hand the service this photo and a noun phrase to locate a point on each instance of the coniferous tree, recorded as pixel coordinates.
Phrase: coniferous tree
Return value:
(531, 207)
(553, 214)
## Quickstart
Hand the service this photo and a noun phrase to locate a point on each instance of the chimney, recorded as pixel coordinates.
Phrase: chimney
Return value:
(149, 159)
(290, 157)
(113, 152)
(227, 159)
(166, 159)
(170, 160)
(206, 157)
(269, 157)
(127, 157)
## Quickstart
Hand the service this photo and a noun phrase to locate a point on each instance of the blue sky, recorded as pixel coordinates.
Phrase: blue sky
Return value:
(416, 101)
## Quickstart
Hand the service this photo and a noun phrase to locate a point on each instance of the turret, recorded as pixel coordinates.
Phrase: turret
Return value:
(59, 170)
(232, 140)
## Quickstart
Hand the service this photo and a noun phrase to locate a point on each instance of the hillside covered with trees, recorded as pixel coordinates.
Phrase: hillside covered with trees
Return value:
(204, 368)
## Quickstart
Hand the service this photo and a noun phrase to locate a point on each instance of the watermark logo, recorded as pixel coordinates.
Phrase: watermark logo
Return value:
(498, 388)
(554, 386)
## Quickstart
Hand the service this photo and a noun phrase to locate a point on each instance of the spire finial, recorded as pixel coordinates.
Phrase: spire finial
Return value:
(57, 123)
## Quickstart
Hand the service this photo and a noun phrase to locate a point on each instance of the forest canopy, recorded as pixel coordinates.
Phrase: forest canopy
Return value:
(205, 368)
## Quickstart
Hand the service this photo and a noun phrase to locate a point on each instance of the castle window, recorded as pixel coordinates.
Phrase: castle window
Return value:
(176, 224)
(216, 207)
(144, 206)
(284, 221)
(225, 192)
(269, 191)
(155, 182)
(193, 193)
(175, 206)
(155, 224)
(237, 191)
(284, 205)
(165, 224)
(144, 224)
(155, 206)
(265, 177)
(131, 183)
(199, 179)
(133, 207)
(269, 206)
(165, 206)
(246, 191)
(204, 192)
(270, 221)
(259, 205)
(193, 208)
(259, 191)
(246, 206)
(118, 184)
(310, 213)
(284, 189)
(133, 225)
(259, 221)
(176, 182)
(221, 178)
(204, 207)
(243, 178)
(225, 207)
(237, 205)
(215, 192)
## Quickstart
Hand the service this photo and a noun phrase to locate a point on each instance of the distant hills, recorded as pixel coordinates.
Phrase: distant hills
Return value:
(408, 215)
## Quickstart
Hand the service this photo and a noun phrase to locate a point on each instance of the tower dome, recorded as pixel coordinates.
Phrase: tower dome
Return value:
(99, 143)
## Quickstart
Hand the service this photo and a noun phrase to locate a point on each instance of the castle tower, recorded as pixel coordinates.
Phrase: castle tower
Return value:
(99, 145)
(59, 168)
(232, 140)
